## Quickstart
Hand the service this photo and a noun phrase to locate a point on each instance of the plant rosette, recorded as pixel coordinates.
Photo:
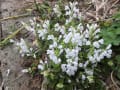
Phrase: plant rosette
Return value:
(72, 48)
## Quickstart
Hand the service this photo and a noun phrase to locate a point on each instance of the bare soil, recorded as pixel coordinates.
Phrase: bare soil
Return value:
(11, 77)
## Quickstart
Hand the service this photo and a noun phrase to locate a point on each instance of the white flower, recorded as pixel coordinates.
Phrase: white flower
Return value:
(68, 13)
(42, 33)
(53, 57)
(62, 30)
(108, 55)
(67, 37)
(76, 39)
(86, 63)
(109, 51)
(72, 11)
(71, 53)
(83, 77)
(76, 10)
(96, 31)
(75, 64)
(104, 53)
(26, 55)
(60, 37)
(70, 72)
(101, 56)
(76, 3)
(109, 46)
(67, 21)
(46, 24)
(53, 45)
(80, 16)
(50, 52)
(88, 43)
(41, 67)
(56, 25)
(31, 49)
(87, 35)
(12, 41)
(67, 7)
(34, 56)
(80, 27)
(92, 59)
(57, 11)
(41, 62)
(29, 28)
(69, 60)
(24, 71)
(69, 81)
(98, 59)
(89, 72)
(96, 44)
(50, 37)
(63, 67)
(69, 69)
(92, 27)
(32, 22)
(23, 47)
(80, 65)
(74, 15)
(96, 36)
(101, 41)
(61, 51)
(60, 46)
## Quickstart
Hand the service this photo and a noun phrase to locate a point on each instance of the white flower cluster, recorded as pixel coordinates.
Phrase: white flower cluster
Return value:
(31, 27)
(23, 47)
(74, 47)
(57, 11)
(78, 39)
(43, 31)
(99, 54)
(72, 11)
(72, 42)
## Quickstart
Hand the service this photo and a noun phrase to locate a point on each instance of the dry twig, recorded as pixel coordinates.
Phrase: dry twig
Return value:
(112, 79)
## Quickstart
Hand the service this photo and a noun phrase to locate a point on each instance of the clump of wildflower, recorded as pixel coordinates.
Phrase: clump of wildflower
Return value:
(23, 47)
(72, 12)
(57, 11)
(72, 49)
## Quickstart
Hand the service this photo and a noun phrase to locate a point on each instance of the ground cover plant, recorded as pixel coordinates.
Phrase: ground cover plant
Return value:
(68, 52)
(71, 48)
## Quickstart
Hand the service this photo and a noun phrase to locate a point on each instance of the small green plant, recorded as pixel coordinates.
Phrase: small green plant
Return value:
(67, 49)
(111, 34)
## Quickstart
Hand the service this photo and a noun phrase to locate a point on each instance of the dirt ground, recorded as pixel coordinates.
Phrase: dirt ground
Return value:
(11, 77)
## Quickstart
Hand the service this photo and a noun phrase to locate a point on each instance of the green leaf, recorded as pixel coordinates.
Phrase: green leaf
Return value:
(60, 85)
(118, 58)
(118, 73)
(117, 16)
(118, 31)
